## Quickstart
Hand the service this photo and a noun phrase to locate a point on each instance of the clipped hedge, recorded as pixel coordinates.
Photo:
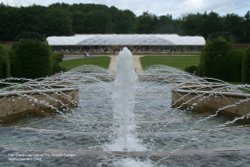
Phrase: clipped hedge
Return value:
(56, 59)
(246, 67)
(220, 60)
(31, 59)
(192, 70)
(215, 58)
(4, 63)
(234, 65)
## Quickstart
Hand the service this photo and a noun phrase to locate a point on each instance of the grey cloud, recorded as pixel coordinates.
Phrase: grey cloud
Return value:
(158, 7)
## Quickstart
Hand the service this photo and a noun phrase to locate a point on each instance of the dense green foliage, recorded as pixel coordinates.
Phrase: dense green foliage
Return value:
(178, 61)
(56, 59)
(208, 24)
(246, 67)
(102, 61)
(65, 19)
(215, 58)
(4, 62)
(220, 60)
(235, 65)
(192, 69)
(31, 59)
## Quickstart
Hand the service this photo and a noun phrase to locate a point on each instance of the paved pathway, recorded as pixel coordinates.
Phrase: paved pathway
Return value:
(136, 62)
(112, 64)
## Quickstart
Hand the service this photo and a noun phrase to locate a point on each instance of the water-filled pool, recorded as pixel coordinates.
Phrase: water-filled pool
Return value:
(172, 137)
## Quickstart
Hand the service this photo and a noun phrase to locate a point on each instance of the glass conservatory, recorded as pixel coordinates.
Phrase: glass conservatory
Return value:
(137, 43)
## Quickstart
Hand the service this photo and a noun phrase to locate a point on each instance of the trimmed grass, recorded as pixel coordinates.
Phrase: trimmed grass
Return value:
(7, 46)
(102, 61)
(180, 61)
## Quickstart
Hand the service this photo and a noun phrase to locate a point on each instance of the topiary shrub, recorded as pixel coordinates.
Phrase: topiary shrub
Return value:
(31, 59)
(246, 67)
(234, 64)
(215, 59)
(192, 70)
(56, 59)
(4, 63)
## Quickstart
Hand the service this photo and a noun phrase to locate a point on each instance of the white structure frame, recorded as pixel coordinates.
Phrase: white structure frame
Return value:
(138, 43)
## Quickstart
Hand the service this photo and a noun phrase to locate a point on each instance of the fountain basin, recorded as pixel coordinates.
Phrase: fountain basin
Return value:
(153, 155)
(226, 103)
(14, 105)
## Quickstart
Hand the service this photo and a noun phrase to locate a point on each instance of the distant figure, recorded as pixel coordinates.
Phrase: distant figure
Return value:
(86, 54)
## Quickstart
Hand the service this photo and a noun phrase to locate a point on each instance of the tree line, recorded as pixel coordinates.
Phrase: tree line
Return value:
(65, 19)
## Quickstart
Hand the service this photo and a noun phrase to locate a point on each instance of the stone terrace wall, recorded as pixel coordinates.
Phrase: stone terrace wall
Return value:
(16, 104)
(232, 104)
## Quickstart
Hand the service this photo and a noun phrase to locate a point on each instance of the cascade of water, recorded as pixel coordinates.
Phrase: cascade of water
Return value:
(174, 137)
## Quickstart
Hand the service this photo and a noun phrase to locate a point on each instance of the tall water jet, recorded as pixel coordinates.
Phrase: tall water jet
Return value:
(123, 105)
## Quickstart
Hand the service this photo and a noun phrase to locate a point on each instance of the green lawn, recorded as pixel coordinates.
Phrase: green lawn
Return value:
(178, 61)
(6, 46)
(102, 61)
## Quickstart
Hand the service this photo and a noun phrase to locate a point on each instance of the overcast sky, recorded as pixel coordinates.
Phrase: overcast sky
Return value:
(159, 7)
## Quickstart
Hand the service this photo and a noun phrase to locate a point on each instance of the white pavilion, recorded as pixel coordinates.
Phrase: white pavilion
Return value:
(137, 43)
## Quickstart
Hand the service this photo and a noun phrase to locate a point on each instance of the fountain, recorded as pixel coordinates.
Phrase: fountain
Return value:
(128, 120)
(33, 97)
(123, 105)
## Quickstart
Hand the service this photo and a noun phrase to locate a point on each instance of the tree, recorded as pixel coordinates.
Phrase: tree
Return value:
(233, 24)
(131, 20)
(31, 59)
(122, 21)
(165, 24)
(146, 23)
(79, 19)
(8, 23)
(58, 22)
(31, 19)
(246, 29)
(212, 24)
(193, 24)
(98, 22)
(65, 19)
(225, 35)
(29, 35)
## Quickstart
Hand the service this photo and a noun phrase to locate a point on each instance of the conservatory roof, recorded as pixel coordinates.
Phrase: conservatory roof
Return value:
(125, 40)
